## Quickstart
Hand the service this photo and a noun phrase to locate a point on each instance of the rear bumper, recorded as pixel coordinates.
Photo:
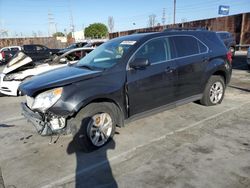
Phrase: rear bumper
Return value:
(36, 119)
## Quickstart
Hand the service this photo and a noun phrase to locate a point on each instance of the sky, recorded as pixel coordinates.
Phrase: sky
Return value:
(29, 17)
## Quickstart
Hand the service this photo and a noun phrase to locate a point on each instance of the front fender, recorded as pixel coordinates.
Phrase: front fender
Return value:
(77, 95)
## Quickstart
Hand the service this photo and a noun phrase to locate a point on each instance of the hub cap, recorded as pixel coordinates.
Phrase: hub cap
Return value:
(216, 92)
(100, 128)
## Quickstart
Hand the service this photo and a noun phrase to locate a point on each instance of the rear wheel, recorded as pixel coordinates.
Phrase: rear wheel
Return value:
(214, 91)
(94, 125)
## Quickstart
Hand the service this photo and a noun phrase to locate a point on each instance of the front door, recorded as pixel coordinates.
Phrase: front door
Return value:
(154, 85)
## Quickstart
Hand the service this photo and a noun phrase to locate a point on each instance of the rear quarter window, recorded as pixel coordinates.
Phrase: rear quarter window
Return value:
(187, 45)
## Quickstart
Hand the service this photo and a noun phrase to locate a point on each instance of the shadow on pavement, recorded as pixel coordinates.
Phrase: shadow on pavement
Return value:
(92, 169)
(240, 88)
(6, 126)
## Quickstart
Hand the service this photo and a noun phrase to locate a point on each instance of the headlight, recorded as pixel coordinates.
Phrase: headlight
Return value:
(45, 100)
(10, 77)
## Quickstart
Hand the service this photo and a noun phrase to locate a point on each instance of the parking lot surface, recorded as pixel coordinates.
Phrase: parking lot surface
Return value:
(189, 146)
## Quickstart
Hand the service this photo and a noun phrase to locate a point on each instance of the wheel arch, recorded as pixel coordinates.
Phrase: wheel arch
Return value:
(120, 114)
(222, 74)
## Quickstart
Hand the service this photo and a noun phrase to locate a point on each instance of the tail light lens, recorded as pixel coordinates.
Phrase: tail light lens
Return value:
(229, 56)
(3, 55)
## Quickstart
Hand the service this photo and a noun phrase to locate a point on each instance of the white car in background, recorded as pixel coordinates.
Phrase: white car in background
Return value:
(248, 57)
(21, 67)
(7, 52)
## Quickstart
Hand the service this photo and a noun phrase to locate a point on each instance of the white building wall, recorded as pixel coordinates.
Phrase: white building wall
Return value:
(79, 36)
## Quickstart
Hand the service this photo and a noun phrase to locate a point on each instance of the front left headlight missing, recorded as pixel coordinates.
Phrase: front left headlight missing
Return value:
(45, 100)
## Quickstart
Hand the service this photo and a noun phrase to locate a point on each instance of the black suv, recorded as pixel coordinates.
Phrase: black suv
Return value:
(38, 52)
(126, 77)
(228, 40)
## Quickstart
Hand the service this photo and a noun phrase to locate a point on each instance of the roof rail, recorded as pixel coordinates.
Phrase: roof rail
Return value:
(185, 29)
(147, 31)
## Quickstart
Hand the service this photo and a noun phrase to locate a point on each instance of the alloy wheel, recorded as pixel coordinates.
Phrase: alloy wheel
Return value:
(216, 92)
(100, 128)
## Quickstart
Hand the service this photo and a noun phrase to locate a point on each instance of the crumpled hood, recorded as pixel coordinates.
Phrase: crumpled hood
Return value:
(19, 60)
(56, 78)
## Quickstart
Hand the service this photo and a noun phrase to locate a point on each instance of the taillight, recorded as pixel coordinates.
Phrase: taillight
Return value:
(229, 56)
(3, 55)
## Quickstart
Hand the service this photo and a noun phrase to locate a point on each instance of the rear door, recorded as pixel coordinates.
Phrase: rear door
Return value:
(153, 86)
(191, 59)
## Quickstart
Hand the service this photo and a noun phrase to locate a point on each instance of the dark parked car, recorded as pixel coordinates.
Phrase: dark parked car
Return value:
(126, 77)
(38, 52)
(228, 40)
(72, 46)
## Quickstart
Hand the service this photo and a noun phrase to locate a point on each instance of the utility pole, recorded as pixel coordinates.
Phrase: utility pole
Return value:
(72, 27)
(51, 23)
(163, 20)
(174, 10)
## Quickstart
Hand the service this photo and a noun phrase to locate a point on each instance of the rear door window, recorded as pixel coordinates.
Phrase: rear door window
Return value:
(40, 48)
(188, 45)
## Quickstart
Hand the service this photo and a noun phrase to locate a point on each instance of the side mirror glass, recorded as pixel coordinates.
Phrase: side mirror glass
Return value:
(139, 63)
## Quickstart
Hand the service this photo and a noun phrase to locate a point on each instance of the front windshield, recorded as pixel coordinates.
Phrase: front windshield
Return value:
(107, 55)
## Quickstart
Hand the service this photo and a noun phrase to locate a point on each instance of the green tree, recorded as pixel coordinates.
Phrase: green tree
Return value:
(58, 34)
(96, 30)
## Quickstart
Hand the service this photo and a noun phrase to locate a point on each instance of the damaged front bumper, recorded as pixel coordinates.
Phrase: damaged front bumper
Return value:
(44, 124)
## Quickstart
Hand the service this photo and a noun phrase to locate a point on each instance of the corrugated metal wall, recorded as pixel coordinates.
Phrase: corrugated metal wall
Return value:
(46, 41)
(238, 25)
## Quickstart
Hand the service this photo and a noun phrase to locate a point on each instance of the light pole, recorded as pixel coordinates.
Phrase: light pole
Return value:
(174, 10)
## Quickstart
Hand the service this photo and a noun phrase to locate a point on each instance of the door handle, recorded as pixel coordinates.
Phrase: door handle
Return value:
(205, 59)
(169, 70)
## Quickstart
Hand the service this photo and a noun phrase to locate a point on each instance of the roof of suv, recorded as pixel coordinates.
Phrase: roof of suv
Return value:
(145, 36)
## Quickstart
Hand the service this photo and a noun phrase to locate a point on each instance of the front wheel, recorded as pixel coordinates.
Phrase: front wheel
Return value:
(94, 125)
(214, 91)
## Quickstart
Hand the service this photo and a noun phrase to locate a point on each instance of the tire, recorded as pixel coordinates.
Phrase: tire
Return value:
(214, 91)
(86, 126)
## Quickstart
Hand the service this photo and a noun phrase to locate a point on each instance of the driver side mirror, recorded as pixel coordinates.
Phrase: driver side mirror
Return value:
(139, 63)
